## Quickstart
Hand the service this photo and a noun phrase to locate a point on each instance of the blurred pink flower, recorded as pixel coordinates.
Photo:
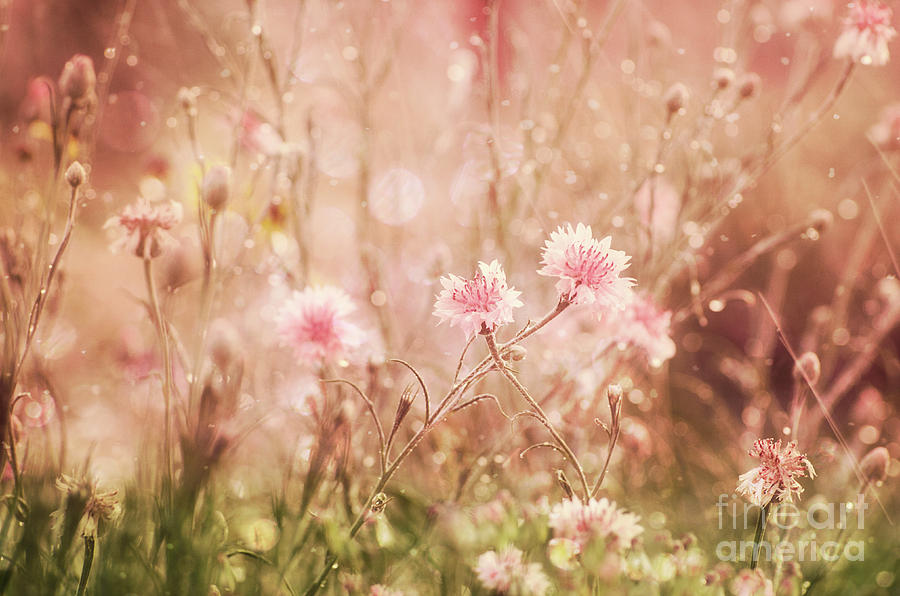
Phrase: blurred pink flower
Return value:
(141, 222)
(886, 132)
(508, 574)
(589, 271)
(583, 523)
(867, 31)
(480, 304)
(752, 583)
(313, 322)
(644, 325)
(776, 476)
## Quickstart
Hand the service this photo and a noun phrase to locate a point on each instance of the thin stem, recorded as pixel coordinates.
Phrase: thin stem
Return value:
(86, 566)
(760, 531)
(167, 364)
(495, 354)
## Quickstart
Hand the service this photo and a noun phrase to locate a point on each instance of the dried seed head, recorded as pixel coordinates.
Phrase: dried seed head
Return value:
(78, 78)
(750, 84)
(675, 98)
(808, 367)
(723, 77)
(215, 186)
(875, 465)
(379, 502)
(75, 174)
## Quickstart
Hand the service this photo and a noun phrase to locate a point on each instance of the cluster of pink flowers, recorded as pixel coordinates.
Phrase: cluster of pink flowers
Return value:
(584, 522)
(142, 228)
(867, 31)
(507, 573)
(480, 304)
(775, 479)
(314, 323)
(589, 271)
(644, 325)
(752, 583)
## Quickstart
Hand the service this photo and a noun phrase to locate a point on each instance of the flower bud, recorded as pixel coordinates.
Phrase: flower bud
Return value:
(875, 465)
(675, 98)
(515, 354)
(75, 175)
(723, 77)
(750, 84)
(78, 78)
(37, 102)
(614, 395)
(808, 367)
(215, 187)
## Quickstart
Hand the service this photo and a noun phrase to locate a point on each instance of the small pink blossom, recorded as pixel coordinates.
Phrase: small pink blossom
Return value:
(589, 271)
(775, 479)
(867, 31)
(507, 573)
(314, 323)
(142, 227)
(480, 304)
(752, 583)
(644, 325)
(886, 132)
(601, 519)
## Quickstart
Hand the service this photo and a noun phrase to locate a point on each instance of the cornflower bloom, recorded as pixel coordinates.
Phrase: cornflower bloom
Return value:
(589, 271)
(477, 305)
(142, 227)
(867, 31)
(314, 323)
(583, 523)
(775, 479)
(507, 573)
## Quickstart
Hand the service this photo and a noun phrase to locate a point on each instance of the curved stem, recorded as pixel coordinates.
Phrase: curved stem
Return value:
(495, 354)
(760, 531)
(86, 566)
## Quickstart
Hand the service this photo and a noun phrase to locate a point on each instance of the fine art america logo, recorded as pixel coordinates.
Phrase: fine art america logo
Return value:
(791, 533)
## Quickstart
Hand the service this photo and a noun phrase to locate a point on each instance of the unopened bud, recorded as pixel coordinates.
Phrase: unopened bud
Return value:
(723, 77)
(808, 367)
(75, 174)
(875, 465)
(37, 102)
(78, 78)
(224, 344)
(564, 483)
(215, 187)
(188, 100)
(750, 85)
(675, 98)
(515, 354)
(614, 395)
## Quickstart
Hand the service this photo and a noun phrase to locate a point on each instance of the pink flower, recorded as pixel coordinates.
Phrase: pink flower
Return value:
(752, 583)
(601, 519)
(867, 31)
(776, 476)
(480, 304)
(886, 132)
(313, 322)
(142, 228)
(507, 573)
(589, 271)
(644, 325)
